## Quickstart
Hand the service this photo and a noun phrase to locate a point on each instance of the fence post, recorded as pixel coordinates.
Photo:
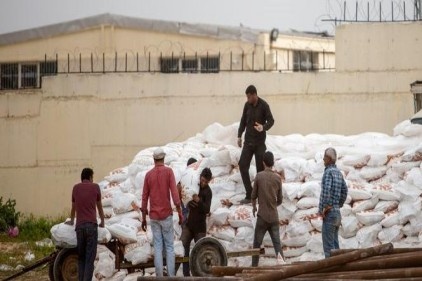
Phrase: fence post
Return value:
(137, 62)
(149, 61)
(57, 63)
(219, 59)
(231, 59)
(265, 62)
(115, 62)
(68, 63)
(253, 60)
(243, 55)
(92, 63)
(80, 63)
(126, 62)
(103, 63)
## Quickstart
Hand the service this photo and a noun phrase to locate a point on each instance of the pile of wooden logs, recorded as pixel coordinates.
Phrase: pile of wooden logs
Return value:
(377, 263)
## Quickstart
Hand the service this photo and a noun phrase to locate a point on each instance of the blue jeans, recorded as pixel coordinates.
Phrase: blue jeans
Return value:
(163, 234)
(261, 228)
(87, 236)
(330, 226)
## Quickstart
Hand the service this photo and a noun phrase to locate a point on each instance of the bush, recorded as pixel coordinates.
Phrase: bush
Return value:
(8, 215)
(37, 228)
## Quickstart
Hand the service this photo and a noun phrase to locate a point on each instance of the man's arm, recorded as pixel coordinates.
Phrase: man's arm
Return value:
(343, 194)
(254, 194)
(325, 197)
(268, 118)
(279, 194)
(145, 197)
(72, 215)
(205, 206)
(242, 124)
(100, 212)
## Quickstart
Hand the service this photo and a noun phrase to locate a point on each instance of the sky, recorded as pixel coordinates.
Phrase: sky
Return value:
(301, 15)
(304, 15)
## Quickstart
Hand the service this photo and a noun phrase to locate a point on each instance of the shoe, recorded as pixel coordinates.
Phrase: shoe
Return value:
(280, 260)
(245, 201)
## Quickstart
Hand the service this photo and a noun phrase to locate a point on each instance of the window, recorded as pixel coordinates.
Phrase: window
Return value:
(305, 61)
(29, 75)
(210, 64)
(190, 65)
(169, 65)
(25, 75)
(9, 74)
(48, 68)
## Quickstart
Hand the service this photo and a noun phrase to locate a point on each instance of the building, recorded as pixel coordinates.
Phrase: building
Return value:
(94, 92)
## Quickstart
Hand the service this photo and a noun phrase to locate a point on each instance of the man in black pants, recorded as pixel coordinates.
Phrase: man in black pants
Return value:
(256, 119)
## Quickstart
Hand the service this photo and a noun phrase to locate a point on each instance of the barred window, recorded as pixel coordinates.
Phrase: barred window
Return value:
(169, 65)
(210, 64)
(305, 61)
(29, 75)
(9, 74)
(190, 65)
(48, 68)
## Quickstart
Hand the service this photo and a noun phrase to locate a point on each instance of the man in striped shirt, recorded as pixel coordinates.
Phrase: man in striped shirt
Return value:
(333, 195)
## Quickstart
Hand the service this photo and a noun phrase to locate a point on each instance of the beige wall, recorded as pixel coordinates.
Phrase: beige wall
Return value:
(379, 46)
(104, 120)
(47, 136)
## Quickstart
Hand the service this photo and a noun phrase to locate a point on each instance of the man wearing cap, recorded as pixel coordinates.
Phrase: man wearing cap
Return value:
(159, 185)
(333, 195)
(267, 189)
(256, 119)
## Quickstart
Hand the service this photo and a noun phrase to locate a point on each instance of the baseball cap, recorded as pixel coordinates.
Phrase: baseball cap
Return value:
(159, 154)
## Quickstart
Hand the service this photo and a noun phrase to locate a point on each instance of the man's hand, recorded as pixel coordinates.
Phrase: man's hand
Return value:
(180, 217)
(258, 127)
(254, 210)
(239, 142)
(325, 211)
(192, 204)
(195, 198)
(144, 225)
(69, 222)
(101, 224)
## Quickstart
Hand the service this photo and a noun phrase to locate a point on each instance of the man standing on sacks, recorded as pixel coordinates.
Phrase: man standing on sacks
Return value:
(256, 119)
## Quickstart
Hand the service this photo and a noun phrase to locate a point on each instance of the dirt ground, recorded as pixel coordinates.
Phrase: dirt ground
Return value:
(12, 254)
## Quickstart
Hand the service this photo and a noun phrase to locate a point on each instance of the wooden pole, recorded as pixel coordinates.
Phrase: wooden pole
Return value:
(321, 264)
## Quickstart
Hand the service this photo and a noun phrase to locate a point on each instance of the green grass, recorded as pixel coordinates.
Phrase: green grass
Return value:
(31, 230)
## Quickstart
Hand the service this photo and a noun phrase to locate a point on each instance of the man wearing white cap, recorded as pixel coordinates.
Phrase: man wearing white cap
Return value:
(159, 184)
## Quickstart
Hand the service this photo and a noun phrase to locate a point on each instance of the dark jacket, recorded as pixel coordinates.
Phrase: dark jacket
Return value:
(198, 215)
(261, 114)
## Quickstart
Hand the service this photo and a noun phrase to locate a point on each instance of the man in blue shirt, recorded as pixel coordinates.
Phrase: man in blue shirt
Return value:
(333, 195)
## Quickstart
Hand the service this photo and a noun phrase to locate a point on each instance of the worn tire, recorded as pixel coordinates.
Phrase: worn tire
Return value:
(51, 271)
(206, 253)
(65, 266)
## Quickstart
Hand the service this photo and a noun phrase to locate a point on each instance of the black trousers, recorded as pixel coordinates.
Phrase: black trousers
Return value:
(248, 151)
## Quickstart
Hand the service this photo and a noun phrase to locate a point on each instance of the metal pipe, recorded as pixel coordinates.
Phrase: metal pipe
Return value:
(320, 264)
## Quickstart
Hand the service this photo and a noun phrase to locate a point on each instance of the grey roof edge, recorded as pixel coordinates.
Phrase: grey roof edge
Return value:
(241, 33)
(206, 30)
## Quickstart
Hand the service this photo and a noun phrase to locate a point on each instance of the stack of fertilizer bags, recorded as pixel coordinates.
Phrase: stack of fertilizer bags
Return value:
(383, 174)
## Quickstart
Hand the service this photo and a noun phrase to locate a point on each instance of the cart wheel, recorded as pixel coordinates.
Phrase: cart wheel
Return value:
(51, 271)
(206, 253)
(66, 265)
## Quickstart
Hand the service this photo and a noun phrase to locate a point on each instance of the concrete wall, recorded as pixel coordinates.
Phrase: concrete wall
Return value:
(379, 46)
(102, 120)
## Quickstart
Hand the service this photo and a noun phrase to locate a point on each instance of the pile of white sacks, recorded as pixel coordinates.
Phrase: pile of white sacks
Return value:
(383, 174)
